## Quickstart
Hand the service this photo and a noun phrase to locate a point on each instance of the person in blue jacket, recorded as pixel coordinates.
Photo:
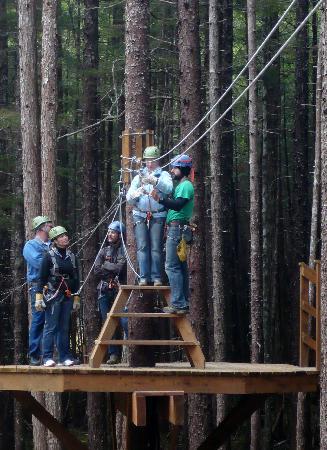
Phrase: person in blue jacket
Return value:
(149, 216)
(33, 252)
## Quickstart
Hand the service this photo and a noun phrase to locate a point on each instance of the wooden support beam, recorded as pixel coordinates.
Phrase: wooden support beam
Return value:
(67, 439)
(309, 309)
(108, 329)
(308, 273)
(138, 409)
(243, 411)
(176, 409)
(167, 342)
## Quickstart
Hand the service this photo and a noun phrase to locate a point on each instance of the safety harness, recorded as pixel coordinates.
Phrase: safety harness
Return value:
(56, 276)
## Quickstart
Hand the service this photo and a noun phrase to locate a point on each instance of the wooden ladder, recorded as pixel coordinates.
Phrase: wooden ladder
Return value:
(188, 340)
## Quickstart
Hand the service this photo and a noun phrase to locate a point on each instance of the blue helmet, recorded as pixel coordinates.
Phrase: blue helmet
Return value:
(117, 226)
(181, 161)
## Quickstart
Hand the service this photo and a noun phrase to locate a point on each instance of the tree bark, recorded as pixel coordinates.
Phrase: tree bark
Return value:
(255, 220)
(221, 184)
(300, 172)
(3, 53)
(199, 406)
(31, 161)
(29, 112)
(95, 402)
(323, 370)
(303, 409)
(49, 106)
(137, 113)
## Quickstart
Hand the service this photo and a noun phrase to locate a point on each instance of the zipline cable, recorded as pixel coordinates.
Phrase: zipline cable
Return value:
(300, 26)
(261, 46)
(90, 231)
(103, 219)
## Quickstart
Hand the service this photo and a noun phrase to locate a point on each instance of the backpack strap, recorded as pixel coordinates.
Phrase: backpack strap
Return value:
(55, 267)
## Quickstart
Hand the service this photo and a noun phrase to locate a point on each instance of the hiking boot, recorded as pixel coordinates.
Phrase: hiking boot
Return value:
(35, 361)
(173, 310)
(113, 359)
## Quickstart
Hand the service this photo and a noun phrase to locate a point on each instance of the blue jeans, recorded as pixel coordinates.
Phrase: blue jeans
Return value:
(36, 327)
(176, 270)
(57, 319)
(105, 304)
(149, 243)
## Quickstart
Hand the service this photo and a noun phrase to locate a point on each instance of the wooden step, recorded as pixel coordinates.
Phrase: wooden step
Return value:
(147, 342)
(147, 315)
(132, 287)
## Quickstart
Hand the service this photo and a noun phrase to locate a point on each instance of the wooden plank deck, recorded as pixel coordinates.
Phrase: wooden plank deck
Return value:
(222, 378)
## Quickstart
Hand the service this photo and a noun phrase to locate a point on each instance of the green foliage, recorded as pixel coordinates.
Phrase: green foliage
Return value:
(9, 118)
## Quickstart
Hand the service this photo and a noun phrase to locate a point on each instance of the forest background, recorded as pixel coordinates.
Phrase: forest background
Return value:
(254, 197)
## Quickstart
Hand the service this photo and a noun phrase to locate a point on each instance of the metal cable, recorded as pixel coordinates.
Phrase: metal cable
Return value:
(300, 26)
(261, 46)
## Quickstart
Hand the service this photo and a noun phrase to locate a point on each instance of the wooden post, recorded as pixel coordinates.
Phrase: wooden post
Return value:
(318, 318)
(304, 318)
(126, 153)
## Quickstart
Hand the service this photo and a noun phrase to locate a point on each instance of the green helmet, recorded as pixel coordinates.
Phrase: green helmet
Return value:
(39, 220)
(151, 152)
(56, 231)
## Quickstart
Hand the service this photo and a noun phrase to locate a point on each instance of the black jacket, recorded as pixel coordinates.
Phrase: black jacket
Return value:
(111, 262)
(52, 276)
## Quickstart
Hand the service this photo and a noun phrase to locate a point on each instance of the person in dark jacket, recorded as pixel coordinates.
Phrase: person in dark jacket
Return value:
(109, 269)
(58, 280)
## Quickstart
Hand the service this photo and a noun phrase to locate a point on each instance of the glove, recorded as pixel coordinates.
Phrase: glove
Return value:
(150, 179)
(136, 194)
(77, 303)
(39, 302)
(182, 250)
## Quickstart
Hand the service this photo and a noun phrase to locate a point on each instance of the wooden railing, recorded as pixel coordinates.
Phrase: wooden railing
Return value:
(309, 314)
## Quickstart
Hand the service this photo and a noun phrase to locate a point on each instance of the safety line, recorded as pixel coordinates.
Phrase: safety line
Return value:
(261, 46)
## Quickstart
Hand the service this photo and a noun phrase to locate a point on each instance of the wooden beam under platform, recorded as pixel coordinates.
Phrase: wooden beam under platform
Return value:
(68, 440)
(243, 411)
(216, 378)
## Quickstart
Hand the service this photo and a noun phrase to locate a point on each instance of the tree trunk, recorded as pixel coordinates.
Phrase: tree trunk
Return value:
(49, 105)
(31, 162)
(273, 264)
(29, 112)
(137, 112)
(199, 406)
(323, 371)
(300, 172)
(3, 53)
(221, 169)
(95, 402)
(255, 220)
(303, 411)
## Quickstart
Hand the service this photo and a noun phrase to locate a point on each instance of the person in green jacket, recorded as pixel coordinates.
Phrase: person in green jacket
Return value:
(178, 219)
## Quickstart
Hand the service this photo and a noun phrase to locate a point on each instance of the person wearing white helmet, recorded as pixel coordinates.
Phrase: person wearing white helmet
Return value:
(33, 252)
(149, 216)
(56, 293)
(109, 268)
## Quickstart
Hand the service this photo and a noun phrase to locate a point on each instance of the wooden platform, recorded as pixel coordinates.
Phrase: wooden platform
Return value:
(224, 378)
